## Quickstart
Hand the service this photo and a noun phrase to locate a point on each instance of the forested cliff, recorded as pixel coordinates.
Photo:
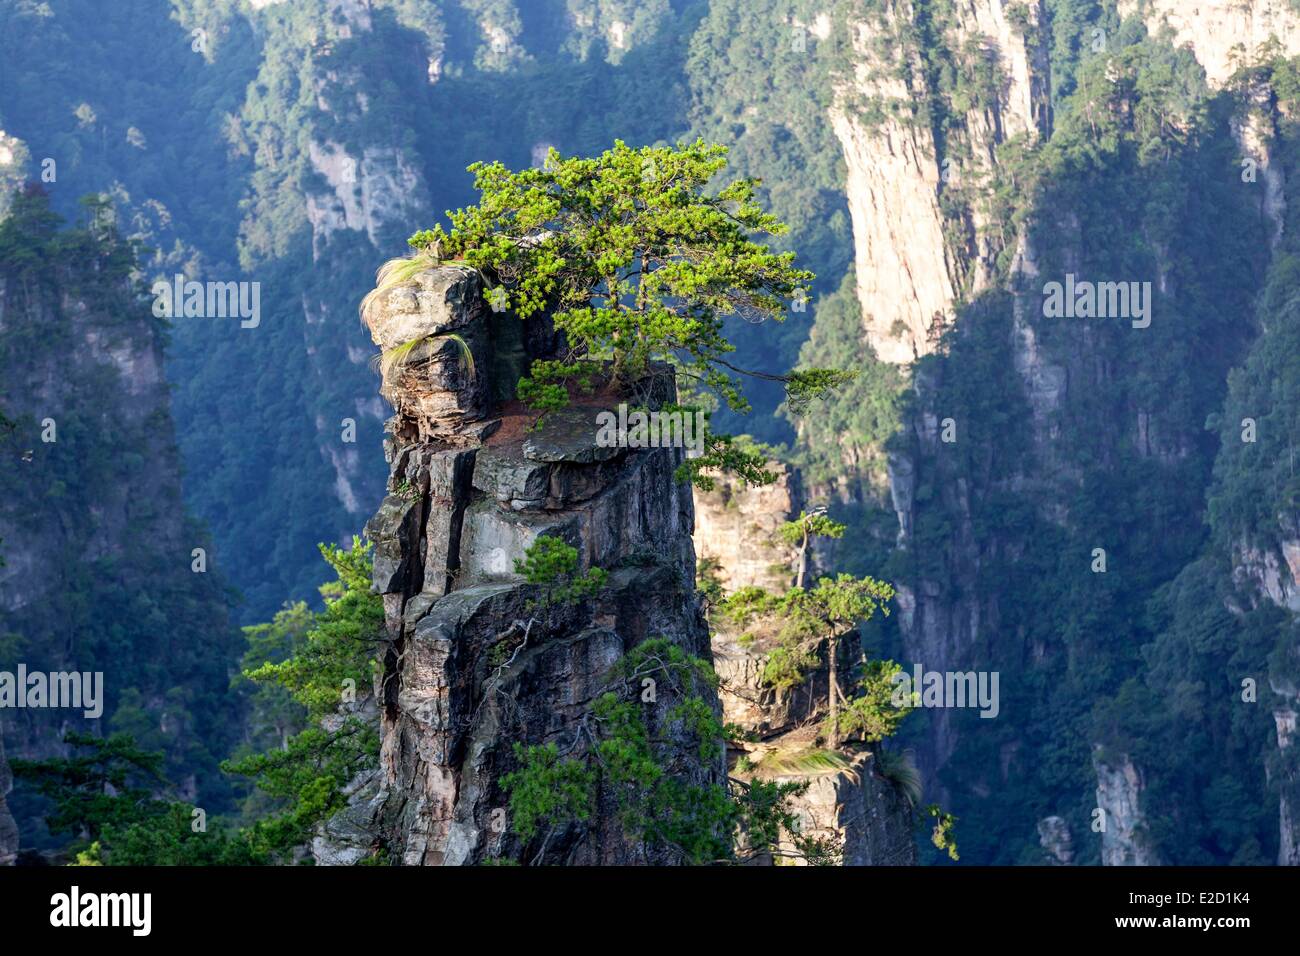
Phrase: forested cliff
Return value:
(104, 571)
(1100, 509)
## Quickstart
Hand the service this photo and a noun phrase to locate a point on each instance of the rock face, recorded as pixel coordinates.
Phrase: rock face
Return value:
(920, 241)
(924, 245)
(367, 192)
(1222, 32)
(1224, 36)
(474, 664)
(8, 829)
(857, 810)
(1272, 571)
(1119, 793)
(736, 530)
(1284, 717)
(848, 802)
(1055, 839)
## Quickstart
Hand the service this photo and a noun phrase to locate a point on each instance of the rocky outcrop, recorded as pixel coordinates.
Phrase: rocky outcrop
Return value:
(848, 802)
(766, 714)
(8, 829)
(366, 192)
(856, 810)
(1271, 571)
(1284, 718)
(350, 837)
(736, 530)
(1224, 34)
(1055, 839)
(475, 663)
(375, 189)
(14, 157)
(1119, 791)
(1255, 129)
(921, 240)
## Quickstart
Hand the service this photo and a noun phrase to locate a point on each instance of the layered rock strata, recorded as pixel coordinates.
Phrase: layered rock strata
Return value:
(473, 664)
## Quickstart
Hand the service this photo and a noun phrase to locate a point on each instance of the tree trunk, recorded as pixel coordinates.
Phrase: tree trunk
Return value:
(833, 691)
(803, 560)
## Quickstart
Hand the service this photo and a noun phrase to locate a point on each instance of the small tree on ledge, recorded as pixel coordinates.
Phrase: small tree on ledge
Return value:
(639, 262)
(799, 532)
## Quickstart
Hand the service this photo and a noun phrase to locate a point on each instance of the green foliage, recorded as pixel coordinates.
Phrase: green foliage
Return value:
(110, 781)
(1209, 630)
(552, 565)
(816, 525)
(803, 387)
(106, 797)
(726, 454)
(542, 397)
(307, 781)
(942, 836)
(323, 661)
(708, 581)
(844, 440)
(99, 510)
(807, 618)
(1141, 169)
(273, 713)
(870, 713)
(625, 753)
(547, 790)
(754, 90)
(638, 262)
(811, 623)
(339, 649)
(169, 838)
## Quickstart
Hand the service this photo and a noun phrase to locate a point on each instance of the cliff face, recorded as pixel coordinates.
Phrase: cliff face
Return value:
(103, 571)
(848, 802)
(1119, 797)
(736, 530)
(1284, 717)
(475, 665)
(8, 829)
(1222, 33)
(1265, 560)
(355, 196)
(331, 177)
(1060, 405)
(917, 157)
